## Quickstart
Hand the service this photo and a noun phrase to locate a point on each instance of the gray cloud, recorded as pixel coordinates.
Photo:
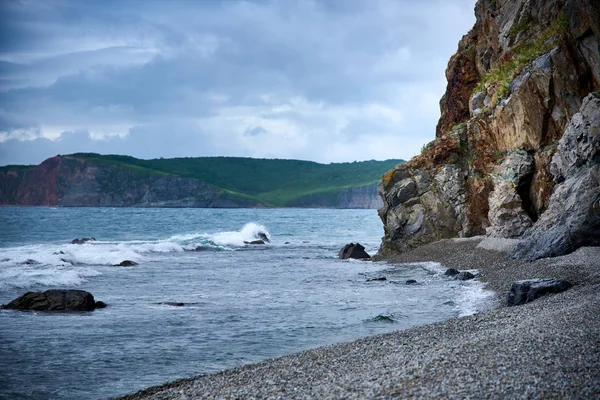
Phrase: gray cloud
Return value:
(287, 79)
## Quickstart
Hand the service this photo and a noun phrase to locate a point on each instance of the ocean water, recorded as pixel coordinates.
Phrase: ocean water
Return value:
(243, 303)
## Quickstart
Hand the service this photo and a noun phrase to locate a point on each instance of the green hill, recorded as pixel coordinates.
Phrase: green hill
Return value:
(274, 182)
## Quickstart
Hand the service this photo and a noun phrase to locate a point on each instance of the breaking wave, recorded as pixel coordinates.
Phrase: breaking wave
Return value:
(71, 264)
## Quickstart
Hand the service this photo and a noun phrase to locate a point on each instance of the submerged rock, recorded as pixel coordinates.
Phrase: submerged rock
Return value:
(55, 300)
(126, 263)
(83, 240)
(451, 272)
(379, 278)
(200, 248)
(255, 242)
(526, 291)
(411, 282)
(353, 251)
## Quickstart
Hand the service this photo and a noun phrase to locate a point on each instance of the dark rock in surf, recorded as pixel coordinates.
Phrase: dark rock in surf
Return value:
(263, 236)
(451, 272)
(83, 240)
(56, 253)
(411, 282)
(55, 300)
(30, 261)
(200, 248)
(100, 304)
(353, 251)
(255, 242)
(126, 263)
(526, 291)
(379, 278)
(465, 276)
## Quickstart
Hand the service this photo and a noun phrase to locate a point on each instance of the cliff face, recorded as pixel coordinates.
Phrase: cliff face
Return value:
(68, 181)
(517, 81)
(354, 197)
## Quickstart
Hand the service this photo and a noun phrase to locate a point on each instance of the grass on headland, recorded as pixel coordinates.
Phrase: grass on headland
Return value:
(502, 75)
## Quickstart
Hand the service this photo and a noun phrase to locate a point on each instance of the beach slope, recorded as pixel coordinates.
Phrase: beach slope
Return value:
(549, 348)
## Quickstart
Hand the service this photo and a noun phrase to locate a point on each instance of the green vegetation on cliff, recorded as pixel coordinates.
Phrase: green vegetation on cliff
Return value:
(273, 182)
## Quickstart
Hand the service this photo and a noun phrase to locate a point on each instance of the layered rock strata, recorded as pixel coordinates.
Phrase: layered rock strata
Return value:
(518, 79)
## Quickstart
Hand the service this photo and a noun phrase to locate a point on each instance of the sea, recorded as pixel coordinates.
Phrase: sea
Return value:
(242, 303)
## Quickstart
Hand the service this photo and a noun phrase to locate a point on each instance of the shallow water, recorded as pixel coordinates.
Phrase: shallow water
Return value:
(243, 303)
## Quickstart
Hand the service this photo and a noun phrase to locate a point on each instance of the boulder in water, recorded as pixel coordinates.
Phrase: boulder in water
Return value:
(411, 282)
(55, 300)
(126, 263)
(465, 276)
(451, 272)
(83, 240)
(353, 250)
(525, 291)
(100, 304)
(379, 278)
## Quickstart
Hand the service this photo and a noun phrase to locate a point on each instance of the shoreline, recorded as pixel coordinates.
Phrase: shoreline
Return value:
(549, 348)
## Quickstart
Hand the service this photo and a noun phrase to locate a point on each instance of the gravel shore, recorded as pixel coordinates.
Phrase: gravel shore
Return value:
(546, 349)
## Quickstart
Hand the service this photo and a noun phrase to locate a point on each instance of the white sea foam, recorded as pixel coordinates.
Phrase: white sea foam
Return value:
(113, 252)
(474, 298)
(23, 276)
(432, 266)
(237, 238)
(472, 295)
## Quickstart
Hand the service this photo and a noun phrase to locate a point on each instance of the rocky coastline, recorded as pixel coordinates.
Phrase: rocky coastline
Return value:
(548, 348)
(516, 158)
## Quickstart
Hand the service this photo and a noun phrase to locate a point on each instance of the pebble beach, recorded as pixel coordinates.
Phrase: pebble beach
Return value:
(548, 348)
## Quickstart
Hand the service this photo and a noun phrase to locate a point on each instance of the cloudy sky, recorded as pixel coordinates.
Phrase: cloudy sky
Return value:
(322, 80)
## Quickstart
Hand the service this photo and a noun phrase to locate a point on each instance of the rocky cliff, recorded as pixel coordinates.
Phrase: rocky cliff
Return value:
(71, 181)
(352, 197)
(516, 148)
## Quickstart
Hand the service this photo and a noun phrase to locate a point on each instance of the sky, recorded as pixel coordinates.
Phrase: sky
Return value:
(321, 80)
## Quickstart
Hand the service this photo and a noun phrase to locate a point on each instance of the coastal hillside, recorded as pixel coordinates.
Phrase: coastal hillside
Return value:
(88, 179)
(517, 146)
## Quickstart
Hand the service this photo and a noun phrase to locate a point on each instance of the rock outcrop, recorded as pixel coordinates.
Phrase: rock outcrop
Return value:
(55, 300)
(573, 216)
(518, 79)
